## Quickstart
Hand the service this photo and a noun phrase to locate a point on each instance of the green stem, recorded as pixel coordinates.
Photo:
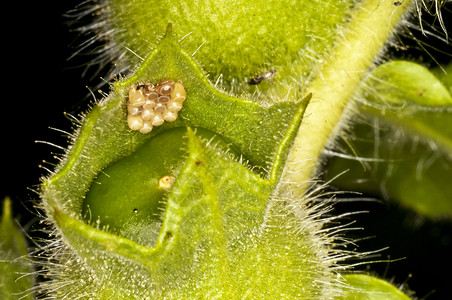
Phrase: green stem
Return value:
(372, 23)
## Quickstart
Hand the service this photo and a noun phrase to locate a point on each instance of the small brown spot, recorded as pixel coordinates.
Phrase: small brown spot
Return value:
(168, 235)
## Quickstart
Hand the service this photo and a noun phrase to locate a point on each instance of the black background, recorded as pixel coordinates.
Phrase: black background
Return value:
(39, 84)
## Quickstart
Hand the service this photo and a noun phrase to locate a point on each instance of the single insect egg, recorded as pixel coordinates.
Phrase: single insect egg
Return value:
(166, 182)
(170, 116)
(178, 93)
(147, 88)
(153, 96)
(149, 104)
(165, 87)
(148, 114)
(160, 107)
(134, 111)
(163, 99)
(134, 122)
(174, 106)
(158, 120)
(147, 127)
(136, 97)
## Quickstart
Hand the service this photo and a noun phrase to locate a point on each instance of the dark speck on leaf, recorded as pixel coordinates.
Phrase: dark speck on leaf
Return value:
(168, 235)
(264, 76)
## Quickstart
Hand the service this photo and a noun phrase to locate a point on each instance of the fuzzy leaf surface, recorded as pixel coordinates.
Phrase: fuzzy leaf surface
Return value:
(237, 40)
(211, 242)
(253, 128)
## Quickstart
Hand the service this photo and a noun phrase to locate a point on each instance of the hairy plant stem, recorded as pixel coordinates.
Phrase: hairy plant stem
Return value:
(371, 24)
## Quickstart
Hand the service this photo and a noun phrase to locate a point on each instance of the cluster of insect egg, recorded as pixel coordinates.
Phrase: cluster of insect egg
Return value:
(150, 105)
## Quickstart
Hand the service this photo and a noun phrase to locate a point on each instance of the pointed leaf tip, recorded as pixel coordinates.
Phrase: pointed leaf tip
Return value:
(13, 249)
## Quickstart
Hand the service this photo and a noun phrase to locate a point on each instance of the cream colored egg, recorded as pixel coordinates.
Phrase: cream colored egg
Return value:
(148, 114)
(136, 97)
(134, 122)
(160, 108)
(164, 99)
(153, 96)
(149, 104)
(134, 111)
(166, 182)
(170, 116)
(178, 94)
(158, 120)
(165, 87)
(147, 127)
(174, 106)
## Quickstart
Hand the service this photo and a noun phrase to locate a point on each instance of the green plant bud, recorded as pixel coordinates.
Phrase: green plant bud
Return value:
(194, 222)
(187, 236)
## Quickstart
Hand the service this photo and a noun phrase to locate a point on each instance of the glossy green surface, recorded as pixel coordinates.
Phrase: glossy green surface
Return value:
(365, 287)
(127, 198)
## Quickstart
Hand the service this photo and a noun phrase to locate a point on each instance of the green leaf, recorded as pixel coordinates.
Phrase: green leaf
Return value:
(401, 83)
(15, 279)
(411, 97)
(366, 287)
(445, 75)
(255, 129)
(211, 241)
(404, 142)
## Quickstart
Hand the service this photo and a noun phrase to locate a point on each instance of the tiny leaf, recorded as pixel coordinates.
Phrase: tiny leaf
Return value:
(365, 287)
(15, 281)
